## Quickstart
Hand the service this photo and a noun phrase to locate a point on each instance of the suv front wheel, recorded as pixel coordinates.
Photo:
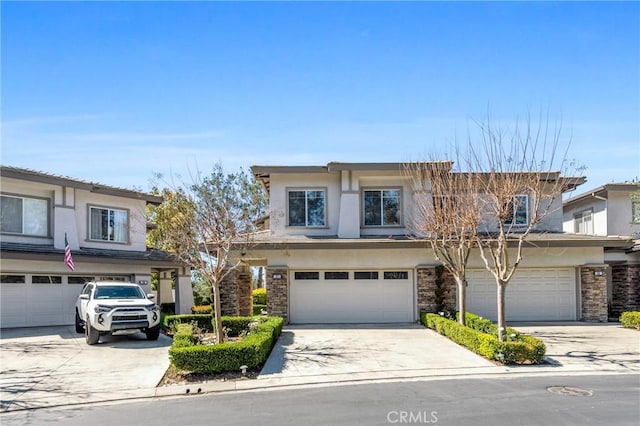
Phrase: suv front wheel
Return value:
(153, 333)
(91, 334)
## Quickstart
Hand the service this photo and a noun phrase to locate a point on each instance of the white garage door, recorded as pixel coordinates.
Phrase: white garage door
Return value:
(351, 297)
(40, 300)
(532, 295)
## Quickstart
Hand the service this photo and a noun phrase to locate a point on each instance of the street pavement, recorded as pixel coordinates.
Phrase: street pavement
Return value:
(53, 366)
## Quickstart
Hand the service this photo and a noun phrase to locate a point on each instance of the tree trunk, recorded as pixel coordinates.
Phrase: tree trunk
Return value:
(502, 323)
(462, 300)
(217, 314)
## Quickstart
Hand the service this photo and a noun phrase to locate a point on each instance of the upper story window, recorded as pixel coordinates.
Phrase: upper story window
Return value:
(583, 222)
(307, 207)
(381, 207)
(107, 224)
(23, 215)
(518, 211)
(635, 211)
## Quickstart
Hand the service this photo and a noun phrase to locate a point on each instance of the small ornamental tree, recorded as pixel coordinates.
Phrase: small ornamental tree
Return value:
(517, 176)
(202, 220)
(447, 219)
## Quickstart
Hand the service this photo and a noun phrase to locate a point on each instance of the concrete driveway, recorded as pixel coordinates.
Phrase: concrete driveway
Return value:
(49, 366)
(352, 352)
(587, 346)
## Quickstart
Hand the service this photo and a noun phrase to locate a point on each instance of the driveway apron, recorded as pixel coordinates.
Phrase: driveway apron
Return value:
(50, 366)
(386, 350)
(588, 346)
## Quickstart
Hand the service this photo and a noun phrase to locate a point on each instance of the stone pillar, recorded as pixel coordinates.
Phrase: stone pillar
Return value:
(278, 292)
(425, 282)
(427, 290)
(229, 295)
(245, 293)
(625, 282)
(593, 290)
(165, 292)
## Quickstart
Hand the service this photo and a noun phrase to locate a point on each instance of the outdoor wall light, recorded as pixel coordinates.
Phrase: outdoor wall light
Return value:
(276, 276)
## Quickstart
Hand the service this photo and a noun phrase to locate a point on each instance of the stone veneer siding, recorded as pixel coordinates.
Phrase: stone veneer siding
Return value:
(229, 294)
(236, 294)
(245, 294)
(278, 292)
(426, 290)
(593, 290)
(625, 288)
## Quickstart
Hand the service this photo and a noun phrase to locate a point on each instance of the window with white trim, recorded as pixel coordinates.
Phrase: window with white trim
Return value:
(381, 207)
(307, 208)
(106, 224)
(583, 222)
(518, 211)
(24, 215)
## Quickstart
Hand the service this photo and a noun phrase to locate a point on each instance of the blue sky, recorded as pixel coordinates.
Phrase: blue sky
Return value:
(114, 92)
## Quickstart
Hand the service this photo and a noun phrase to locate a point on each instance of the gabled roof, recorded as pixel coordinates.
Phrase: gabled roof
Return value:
(52, 179)
(603, 191)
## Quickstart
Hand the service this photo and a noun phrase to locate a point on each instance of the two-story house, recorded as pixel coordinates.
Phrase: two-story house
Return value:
(105, 228)
(338, 250)
(612, 209)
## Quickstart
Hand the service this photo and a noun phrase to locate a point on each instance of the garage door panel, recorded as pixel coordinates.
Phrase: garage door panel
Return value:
(532, 295)
(351, 300)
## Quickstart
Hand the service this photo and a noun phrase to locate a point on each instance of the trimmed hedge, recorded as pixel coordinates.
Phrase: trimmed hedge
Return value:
(234, 325)
(260, 296)
(257, 309)
(484, 325)
(251, 351)
(630, 319)
(522, 349)
(203, 321)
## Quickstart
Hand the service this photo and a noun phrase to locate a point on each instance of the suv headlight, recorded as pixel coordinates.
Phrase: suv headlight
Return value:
(152, 308)
(102, 309)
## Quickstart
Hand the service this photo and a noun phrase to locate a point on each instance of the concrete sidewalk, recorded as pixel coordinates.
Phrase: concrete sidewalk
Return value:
(303, 356)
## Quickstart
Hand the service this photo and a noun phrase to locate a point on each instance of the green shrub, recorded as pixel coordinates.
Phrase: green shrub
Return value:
(260, 296)
(257, 309)
(202, 321)
(630, 319)
(526, 349)
(202, 309)
(485, 325)
(183, 336)
(251, 351)
(235, 326)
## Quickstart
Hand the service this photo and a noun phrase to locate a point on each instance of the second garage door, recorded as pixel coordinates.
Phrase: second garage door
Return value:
(351, 297)
(532, 295)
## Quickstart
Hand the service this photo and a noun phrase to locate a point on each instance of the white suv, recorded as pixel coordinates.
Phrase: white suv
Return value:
(114, 307)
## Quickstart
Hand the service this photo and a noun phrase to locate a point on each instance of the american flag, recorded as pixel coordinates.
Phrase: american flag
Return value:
(68, 260)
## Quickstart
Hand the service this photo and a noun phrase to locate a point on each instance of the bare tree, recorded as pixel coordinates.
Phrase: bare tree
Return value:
(447, 217)
(517, 176)
(203, 221)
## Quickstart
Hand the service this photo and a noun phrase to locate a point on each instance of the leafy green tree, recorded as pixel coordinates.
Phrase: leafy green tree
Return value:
(205, 220)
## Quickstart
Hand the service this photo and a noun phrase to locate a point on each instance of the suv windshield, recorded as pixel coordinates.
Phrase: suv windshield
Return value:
(118, 292)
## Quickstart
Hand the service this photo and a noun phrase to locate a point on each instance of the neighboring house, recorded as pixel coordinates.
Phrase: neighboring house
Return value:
(614, 210)
(106, 231)
(338, 251)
